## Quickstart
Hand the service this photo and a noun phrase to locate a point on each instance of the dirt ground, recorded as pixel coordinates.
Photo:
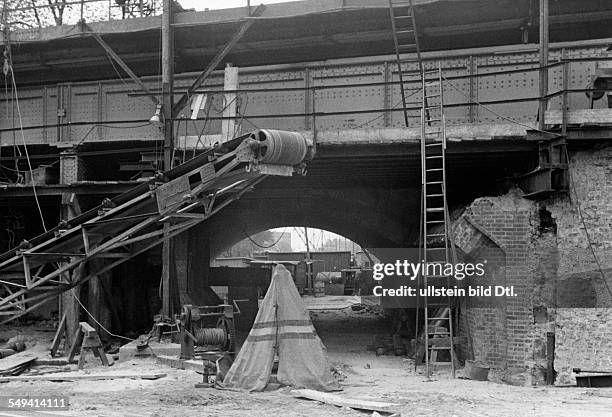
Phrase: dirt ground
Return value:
(363, 375)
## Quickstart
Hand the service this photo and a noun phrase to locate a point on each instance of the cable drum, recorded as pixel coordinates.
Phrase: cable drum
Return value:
(280, 147)
(210, 336)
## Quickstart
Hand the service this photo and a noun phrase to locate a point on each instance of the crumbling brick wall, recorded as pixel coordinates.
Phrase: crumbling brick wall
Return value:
(583, 322)
(551, 265)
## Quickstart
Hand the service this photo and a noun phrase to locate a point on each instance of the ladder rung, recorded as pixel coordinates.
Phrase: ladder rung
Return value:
(434, 169)
(434, 157)
(429, 248)
(406, 46)
(435, 221)
(404, 32)
(433, 144)
(434, 182)
(439, 333)
(437, 318)
(403, 16)
(436, 234)
(435, 209)
(434, 195)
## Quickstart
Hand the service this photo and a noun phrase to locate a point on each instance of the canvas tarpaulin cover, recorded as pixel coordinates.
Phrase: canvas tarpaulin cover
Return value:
(282, 326)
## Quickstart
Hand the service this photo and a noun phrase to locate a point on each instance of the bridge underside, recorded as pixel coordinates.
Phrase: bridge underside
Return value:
(371, 196)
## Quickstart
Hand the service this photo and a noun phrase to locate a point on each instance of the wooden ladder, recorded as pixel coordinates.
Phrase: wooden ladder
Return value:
(436, 244)
(406, 41)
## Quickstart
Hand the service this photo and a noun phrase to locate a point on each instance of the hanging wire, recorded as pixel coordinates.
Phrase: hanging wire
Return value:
(25, 147)
(261, 245)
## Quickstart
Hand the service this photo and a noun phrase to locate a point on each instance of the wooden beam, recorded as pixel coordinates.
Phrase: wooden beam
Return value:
(247, 23)
(61, 332)
(339, 401)
(80, 377)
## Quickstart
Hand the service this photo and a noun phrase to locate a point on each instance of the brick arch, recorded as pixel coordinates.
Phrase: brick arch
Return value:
(368, 217)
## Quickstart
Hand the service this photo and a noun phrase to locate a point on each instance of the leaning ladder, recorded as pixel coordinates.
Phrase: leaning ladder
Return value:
(435, 229)
(433, 166)
(406, 41)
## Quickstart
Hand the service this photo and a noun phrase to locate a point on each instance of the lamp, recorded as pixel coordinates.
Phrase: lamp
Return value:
(157, 117)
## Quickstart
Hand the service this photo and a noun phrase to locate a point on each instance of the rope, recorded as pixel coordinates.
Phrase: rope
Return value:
(207, 336)
(96, 321)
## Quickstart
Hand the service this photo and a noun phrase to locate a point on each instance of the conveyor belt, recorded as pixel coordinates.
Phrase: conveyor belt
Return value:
(133, 222)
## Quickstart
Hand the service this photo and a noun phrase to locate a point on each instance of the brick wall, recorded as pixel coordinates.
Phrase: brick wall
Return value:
(501, 333)
(583, 323)
(72, 168)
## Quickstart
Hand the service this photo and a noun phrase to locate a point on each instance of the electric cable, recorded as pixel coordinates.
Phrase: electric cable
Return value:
(262, 246)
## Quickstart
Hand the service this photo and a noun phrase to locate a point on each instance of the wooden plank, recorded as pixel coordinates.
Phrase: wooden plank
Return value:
(345, 402)
(61, 331)
(80, 377)
(187, 364)
(76, 343)
(14, 362)
(87, 329)
(53, 362)
(579, 117)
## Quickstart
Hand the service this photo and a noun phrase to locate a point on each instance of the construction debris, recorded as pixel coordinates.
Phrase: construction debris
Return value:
(16, 343)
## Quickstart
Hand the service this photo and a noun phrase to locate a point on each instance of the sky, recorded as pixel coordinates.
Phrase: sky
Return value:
(223, 4)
